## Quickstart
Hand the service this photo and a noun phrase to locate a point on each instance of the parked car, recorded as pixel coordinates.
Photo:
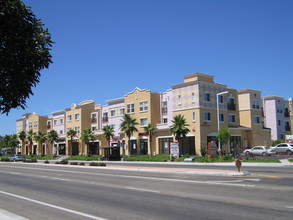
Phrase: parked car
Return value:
(16, 157)
(260, 150)
(286, 148)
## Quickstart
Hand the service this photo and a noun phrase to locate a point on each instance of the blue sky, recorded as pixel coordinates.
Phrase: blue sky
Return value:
(106, 48)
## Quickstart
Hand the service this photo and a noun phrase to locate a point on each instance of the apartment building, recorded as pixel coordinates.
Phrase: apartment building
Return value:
(277, 116)
(78, 118)
(144, 106)
(206, 105)
(251, 118)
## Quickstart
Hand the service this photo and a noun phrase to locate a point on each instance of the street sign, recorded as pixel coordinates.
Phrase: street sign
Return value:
(174, 149)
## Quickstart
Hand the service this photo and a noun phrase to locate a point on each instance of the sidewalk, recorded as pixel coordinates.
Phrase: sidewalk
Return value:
(5, 215)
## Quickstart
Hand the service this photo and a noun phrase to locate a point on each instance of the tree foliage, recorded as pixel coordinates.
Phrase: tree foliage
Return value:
(224, 135)
(108, 133)
(150, 131)
(24, 51)
(128, 126)
(179, 127)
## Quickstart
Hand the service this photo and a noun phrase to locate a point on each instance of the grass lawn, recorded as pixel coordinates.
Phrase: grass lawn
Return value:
(290, 160)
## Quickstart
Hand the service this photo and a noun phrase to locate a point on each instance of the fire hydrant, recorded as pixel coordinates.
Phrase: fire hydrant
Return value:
(238, 164)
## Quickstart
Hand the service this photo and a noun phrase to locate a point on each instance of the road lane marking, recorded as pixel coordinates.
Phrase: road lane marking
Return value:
(53, 206)
(54, 178)
(267, 176)
(140, 177)
(144, 190)
(289, 207)
(15, 173)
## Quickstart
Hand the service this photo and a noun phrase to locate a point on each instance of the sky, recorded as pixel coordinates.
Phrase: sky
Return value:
(105, 48)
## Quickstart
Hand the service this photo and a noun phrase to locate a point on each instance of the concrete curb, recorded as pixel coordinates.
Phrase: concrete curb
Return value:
(5, 215)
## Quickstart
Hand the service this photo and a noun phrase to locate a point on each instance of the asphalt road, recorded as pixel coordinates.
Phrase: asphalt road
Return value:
(61, 192)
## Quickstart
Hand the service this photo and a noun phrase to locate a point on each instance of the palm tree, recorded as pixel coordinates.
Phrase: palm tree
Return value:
(128, 126)
(13, 142)
(150, 131)
(41, 138)
(22, 137)
(52, 137)
(87, 136)
(108, 133)
(30, 136)
(71, 133)
(179, 127)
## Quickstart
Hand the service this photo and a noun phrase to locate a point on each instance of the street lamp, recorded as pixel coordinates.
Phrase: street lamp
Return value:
(218, 113)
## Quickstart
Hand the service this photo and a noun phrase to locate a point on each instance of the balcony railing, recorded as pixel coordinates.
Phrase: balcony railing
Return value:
(94, 120)
(48, 126)
(164, 110)
(286, 114)
(231, 106)
(105, 119)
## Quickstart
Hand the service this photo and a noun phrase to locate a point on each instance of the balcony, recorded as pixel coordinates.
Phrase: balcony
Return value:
(164, 110)
(48, 127)
(286, 114)
(94, 120)
(231, 106)
(287, 128)
(105, 119)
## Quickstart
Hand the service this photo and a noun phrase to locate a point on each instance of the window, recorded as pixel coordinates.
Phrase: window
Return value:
(61, 121)
(143, 106)
(121, 111)
(165, 120)
(179, 99)
(105, 114)
(143, 122)
(221, 117)
(94, 115)
(113, 126)
(76, 116)
(279, 123)
(55, 122)
(61, 132)
(192, 97)
(165, 104)
(231, 118)
(77, 129)
(256, 119)
(94, 128)
(207, 97)
(30, 124)
(69, 118)
(113, 112)
(130, 108)
(221, 99)
(193, 116)
(255, 104)
(207, 116)
(35, 124)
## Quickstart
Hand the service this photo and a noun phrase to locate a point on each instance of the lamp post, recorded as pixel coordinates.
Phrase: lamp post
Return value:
(218, 114)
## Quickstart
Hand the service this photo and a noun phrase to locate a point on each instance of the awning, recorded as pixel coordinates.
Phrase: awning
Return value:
(109, 147)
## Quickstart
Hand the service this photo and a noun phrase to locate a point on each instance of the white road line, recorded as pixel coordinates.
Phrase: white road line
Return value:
(141, 177)
(144, 190)
(54, 178)
(53, 206)
(289, 207)
(15, 173)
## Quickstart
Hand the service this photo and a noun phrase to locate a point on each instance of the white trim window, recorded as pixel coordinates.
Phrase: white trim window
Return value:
(221, 99)
(143, 122)
(143, 106)
(76, 116)
(30, 125)
(130, 108)
(221, 117)
(55, 122)
(256, 120)
(207, 97)
(35, 124)
(94, 115)
(61, 121)
(255, 104)
(113, 112)
(121, 111)
(69, 117)
(207, 116)
(193, 116)
(232, 118)
(192, 97)
(77, 129)
(179, 99)
(94, 128)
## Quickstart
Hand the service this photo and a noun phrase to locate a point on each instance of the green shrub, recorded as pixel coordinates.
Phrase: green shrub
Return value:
(64, 161)
(73, 163)
(5, 159)
(46, 161)
(57, 162)
(39, 157)
(97, 164)
(84, 158)
(81, 164)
